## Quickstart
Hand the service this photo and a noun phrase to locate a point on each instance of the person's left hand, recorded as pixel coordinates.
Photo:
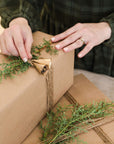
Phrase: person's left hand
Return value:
(90, 34)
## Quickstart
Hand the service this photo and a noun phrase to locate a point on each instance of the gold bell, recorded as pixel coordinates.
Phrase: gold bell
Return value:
(40, 67)
(43, 61)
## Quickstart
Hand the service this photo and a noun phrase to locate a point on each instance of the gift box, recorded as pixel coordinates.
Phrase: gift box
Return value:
(82, 92)
(25, 99)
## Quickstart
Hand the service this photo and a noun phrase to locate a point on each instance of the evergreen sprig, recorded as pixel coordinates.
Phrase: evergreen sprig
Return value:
(13, 67)
(16, 65)
(59, 124)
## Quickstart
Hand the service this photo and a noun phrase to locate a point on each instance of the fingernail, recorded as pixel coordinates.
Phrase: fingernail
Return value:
(25, 60)
(57, 46)
(65, 49)
(52, 38)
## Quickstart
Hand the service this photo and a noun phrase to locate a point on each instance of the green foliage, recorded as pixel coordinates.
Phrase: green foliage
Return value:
(49, 48)
(16, 65)
(60, 128)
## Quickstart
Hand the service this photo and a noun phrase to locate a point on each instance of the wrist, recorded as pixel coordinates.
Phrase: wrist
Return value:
(19, 20)
(106, 30)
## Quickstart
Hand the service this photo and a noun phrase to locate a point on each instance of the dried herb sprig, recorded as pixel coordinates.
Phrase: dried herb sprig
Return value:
(16, 65)
(59, 124)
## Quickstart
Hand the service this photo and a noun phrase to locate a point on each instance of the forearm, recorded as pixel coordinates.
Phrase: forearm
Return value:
(11, 9)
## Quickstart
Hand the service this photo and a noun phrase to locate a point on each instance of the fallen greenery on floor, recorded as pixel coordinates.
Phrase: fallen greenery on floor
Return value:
(16, 65)
(61, 129)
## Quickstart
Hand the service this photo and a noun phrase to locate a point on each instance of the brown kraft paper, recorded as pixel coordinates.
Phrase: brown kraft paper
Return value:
(23, 100)
(82, 92)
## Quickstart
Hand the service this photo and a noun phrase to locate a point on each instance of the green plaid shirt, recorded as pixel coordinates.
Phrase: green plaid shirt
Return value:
(55, 16)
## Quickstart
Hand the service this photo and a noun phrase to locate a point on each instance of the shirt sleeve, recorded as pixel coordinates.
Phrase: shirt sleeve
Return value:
(110, 20)
(10, 9)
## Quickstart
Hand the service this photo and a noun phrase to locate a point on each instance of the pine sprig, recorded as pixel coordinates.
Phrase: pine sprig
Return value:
(59, 124)
(16, 65)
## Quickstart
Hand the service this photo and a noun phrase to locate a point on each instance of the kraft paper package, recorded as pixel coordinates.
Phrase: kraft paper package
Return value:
(82, 92)
(24, 99)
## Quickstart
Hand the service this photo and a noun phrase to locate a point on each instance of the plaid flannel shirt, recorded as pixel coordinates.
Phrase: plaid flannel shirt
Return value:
(55, 16)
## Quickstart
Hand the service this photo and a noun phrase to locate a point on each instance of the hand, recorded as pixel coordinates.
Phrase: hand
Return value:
(17, 39)
(90, 34)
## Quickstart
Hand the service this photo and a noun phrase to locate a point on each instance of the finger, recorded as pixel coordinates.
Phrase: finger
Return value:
(3, 47)
(86, 49)
(19, 43)
(73, 46)
(66, 33)
(28, 45)
(10, 44)
(69, 40)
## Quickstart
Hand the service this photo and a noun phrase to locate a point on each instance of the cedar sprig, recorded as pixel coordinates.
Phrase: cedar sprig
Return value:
(60, 128)
(16, 65)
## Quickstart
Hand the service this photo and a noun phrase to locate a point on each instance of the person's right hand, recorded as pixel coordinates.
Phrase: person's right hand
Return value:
(17, 39)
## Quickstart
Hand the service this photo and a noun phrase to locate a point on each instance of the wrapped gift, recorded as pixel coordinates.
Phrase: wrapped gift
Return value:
(82, 92)
(25, 99)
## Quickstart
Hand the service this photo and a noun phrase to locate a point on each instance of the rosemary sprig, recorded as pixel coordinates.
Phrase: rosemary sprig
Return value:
(59, 125)
(16, 65)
